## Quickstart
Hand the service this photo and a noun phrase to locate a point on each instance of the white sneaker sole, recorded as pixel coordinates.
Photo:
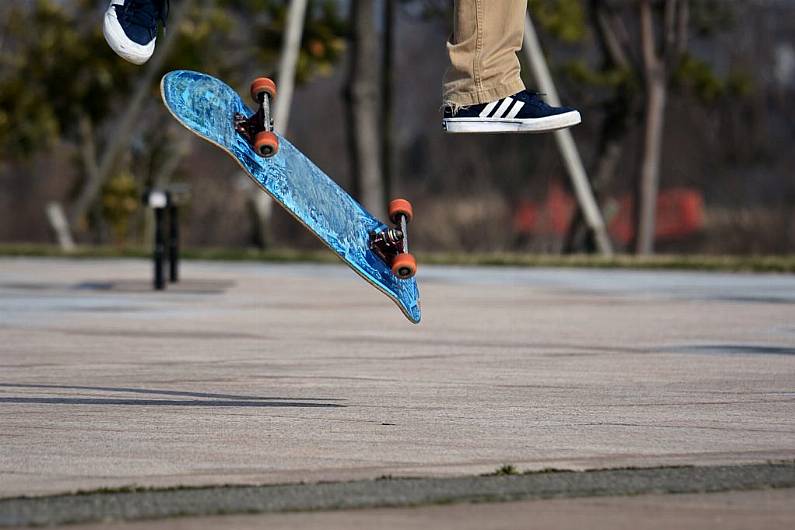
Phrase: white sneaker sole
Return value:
(528, 125)
(119, 42)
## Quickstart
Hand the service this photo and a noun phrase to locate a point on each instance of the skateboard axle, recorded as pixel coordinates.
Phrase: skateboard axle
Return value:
(257, 129)
(392, 243)
(249, 127)
(390, 239)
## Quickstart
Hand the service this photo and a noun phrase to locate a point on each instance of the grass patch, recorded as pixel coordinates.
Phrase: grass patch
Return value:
(761, 264)
(503, 471)
(778, 264)
(210, 254)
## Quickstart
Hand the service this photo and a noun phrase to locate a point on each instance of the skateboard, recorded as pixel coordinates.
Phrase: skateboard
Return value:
(376, 251)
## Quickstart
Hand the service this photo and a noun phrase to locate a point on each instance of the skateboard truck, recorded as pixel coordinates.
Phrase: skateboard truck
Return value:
(257, 129)
(392, 244)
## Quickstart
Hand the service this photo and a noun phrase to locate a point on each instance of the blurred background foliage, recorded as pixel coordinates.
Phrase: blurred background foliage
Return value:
(728, 128)
(57, 69)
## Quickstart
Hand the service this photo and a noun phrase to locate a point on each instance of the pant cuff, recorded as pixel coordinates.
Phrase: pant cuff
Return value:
(485, 95)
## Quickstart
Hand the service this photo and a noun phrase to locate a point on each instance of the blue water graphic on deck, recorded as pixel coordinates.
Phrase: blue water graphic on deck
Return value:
(206, 105)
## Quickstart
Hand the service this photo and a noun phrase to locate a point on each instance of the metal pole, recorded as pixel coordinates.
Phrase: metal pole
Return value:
(159, 251)
(291, 47)
(60, 225)
(565, 141)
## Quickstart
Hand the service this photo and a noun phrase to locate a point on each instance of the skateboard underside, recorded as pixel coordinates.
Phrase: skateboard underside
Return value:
(206, 106)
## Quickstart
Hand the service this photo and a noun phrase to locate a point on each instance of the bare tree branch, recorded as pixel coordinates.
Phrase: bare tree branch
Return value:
(669, 27)
(608, 35)
(648, 48)
(683, 20)
(621, 33)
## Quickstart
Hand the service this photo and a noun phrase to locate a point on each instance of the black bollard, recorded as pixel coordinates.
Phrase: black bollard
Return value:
(165, 205)
(160, 248)
(173, 241)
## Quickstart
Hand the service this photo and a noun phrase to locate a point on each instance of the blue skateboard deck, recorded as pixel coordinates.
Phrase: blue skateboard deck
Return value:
(206, 106)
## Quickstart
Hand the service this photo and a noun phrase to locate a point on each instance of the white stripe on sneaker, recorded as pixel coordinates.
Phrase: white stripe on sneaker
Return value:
(486, 111)
(515, 110)
(502, 108)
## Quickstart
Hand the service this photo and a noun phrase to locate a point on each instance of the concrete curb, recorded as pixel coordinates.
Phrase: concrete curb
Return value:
(154, 504)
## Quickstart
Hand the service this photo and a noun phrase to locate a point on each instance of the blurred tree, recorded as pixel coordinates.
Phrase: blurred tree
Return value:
(362, 94)
(620, 108)
(389, 23)
(120, 197)
(563, 18)
(643, 51)
(55, 74)
(659, 58)
(60, 84)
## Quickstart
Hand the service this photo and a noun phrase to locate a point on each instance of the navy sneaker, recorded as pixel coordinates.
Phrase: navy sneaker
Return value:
(523, 112)
(130, 27)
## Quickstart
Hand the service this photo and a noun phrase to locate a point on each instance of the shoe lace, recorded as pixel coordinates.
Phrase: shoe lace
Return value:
(146, 13)
(534, 98)
(532, 94)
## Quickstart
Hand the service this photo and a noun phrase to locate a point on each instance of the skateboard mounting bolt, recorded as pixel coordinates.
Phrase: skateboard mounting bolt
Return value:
(387, 241)
(257, 129)
(392, 244)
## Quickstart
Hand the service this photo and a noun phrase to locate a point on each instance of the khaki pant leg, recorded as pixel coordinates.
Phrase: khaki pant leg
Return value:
(482, 50)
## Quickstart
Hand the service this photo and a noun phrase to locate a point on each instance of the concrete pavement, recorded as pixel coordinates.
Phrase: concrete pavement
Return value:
(258, 373)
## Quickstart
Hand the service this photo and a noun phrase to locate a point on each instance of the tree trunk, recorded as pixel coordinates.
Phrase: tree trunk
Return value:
(260, 203)
(579, 237)
(387, 101)
(363, 109)
(615, 127)
(650, 166)
(291, 51)
(261, 208)
(648, 183)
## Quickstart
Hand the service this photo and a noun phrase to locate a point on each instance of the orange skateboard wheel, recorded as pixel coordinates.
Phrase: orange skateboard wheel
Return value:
(266, 144)
(260, 85)
(400, 207)
(404, 266)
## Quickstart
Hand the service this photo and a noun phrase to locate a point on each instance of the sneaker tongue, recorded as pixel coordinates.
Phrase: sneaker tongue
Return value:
(534, 99)
(144, 13)
(526, 95)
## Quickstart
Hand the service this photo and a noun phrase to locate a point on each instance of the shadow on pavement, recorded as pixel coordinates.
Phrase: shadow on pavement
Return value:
(195, 286)
(215, 400)
(733, 349)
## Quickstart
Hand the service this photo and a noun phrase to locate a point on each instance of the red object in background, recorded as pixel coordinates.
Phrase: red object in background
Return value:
(680, 213)
(525, 217)
(621, 226)
(552, 217)
(560, 207)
